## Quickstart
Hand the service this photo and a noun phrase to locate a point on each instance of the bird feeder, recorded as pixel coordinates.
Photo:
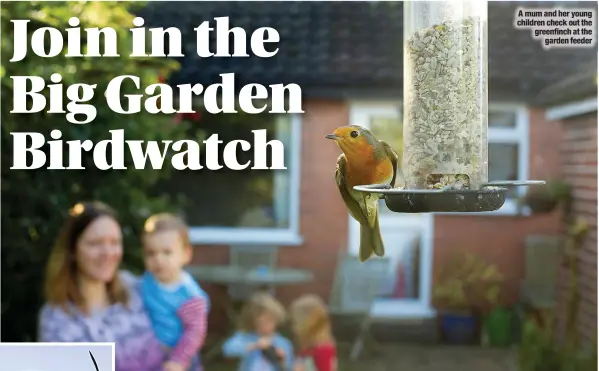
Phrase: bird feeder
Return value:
(445, 144)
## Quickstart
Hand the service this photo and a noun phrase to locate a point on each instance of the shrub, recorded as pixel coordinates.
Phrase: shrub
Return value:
(35, 202)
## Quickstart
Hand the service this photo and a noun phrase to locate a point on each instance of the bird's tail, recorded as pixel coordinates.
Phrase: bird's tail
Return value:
(371, 241)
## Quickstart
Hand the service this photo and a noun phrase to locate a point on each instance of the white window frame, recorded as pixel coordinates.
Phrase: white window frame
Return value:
(265, 236)
(519, 134)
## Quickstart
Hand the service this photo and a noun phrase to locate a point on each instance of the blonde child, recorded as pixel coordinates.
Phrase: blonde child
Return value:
(177, 306)
(257, 337)
(312, 328)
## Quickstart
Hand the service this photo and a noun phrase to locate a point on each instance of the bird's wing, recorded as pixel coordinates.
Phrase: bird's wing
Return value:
(394, 157)
(352, 205)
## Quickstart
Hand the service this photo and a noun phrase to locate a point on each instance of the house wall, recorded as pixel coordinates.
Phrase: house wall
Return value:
(323, 220)
(579, 167)
(500, 238)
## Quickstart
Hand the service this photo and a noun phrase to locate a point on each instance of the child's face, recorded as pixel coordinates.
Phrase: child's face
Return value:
(165, 255)
(265, 324)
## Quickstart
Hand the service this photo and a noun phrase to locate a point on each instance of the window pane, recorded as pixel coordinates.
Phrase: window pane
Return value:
(403, 279)
(502, 119)
(390, 130)
(503, 163)
(236, 198)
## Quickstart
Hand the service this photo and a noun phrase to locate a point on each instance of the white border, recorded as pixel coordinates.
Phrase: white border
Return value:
(64, 344)
(564, 111)
(264, 236)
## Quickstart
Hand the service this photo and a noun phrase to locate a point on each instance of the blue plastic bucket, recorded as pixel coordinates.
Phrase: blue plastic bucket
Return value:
(459, 328)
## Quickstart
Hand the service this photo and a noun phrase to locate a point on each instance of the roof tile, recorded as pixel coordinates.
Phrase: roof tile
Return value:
(349, 45)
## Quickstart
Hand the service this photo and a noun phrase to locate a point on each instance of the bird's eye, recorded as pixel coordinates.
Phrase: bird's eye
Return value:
(354, 134)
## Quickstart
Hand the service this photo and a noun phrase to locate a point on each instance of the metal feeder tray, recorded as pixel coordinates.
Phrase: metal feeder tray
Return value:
(490, 197)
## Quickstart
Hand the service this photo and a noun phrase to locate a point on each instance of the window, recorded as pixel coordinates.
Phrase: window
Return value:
(242, 206)
(503, 163)
(508, 149)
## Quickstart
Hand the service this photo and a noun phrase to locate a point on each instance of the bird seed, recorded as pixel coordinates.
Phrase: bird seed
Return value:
(445, 131)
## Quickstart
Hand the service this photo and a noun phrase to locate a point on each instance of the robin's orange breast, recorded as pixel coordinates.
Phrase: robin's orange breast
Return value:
(369, 172)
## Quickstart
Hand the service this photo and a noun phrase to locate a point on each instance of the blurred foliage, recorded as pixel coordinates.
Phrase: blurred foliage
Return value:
(539, 351)
(546, 198)
(467, 282)
(545, 346)
(35, 202)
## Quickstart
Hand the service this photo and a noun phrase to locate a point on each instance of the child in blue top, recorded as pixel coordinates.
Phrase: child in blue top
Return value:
(257, 342)
(177, 306)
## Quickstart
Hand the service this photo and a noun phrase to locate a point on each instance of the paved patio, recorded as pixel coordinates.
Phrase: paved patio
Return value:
(400, 357)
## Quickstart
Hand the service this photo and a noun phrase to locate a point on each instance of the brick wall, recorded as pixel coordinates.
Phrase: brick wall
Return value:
(579, 167)
(498, 238)
(323, 219)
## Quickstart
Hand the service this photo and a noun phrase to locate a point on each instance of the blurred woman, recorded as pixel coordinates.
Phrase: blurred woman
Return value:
(89, 300)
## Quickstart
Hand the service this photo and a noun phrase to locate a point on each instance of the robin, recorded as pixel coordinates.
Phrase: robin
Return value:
(365, 160)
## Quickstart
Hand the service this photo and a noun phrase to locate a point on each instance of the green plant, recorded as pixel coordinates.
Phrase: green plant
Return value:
(539, 349)
(536, 351)
(544, 199)
(560, 190)
(467, 283)
(35, 202)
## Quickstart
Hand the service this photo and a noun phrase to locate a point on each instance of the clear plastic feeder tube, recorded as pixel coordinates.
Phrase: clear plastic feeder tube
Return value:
(445, 94)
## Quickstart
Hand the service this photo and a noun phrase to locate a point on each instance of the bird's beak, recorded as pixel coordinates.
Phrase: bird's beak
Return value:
(332, 136)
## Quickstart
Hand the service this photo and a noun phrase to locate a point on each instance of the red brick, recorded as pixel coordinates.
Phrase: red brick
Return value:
(487, 235)
(577, 170)
(579, 133)
(579, 164)
(323, 217)
(556, 150)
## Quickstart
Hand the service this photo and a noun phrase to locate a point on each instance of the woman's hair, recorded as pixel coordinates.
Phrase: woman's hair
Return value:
(167, 222)
(61, 284)
(310, 320)
(257, 305)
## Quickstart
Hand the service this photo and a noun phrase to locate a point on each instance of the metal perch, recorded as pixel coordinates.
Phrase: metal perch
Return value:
(490, 197)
